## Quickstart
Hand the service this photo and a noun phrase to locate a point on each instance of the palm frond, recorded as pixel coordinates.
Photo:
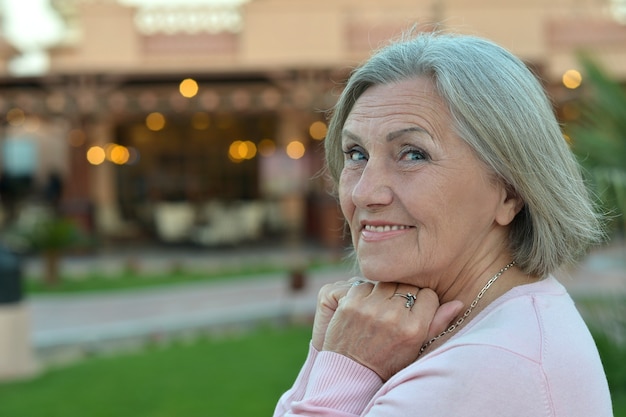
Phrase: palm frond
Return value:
(599, 138)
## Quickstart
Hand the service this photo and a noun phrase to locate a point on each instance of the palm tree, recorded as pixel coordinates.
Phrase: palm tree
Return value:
(52, 237)
(599, 140)
(49, 235)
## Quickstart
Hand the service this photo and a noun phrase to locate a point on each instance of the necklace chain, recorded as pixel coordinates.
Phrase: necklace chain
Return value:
(469, 309)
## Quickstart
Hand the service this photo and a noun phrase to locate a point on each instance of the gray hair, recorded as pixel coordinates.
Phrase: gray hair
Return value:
(501, 110)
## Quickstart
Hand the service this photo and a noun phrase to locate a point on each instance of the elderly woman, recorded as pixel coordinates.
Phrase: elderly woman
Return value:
(462, 198)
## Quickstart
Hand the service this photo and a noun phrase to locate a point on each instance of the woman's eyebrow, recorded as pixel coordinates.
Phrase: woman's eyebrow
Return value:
(350, 135)
(390, 136)
(398, 133)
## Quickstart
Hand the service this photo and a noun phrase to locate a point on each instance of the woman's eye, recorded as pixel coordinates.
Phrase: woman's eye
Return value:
(354, 154)
(414, 155)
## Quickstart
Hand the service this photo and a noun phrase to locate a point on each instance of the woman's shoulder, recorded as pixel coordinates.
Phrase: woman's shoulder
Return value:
(532, 336)
(525, 319)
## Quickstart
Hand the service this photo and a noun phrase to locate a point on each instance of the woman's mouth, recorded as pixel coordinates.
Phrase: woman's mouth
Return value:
(385, 228)
(372, 233)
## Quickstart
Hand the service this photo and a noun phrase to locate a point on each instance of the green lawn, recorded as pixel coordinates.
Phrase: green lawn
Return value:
(613, 358)
(619, 403)
(226, 377)
(135, 279)
(606, 315)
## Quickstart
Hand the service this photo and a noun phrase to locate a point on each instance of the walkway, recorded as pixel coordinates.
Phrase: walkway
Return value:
(72, 325)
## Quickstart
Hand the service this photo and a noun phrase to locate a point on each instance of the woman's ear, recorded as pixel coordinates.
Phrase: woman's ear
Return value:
(510, 204)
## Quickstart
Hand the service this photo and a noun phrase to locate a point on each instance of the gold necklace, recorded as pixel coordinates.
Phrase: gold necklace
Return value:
(468, 311)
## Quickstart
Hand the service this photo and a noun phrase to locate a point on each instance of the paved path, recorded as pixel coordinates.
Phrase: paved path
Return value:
(103, 321)
(80, 324)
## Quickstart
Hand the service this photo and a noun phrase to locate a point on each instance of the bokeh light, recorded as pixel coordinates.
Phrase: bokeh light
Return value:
(155, 121)
(188, 87)
(96, 155)
(16, 116)
(267, 147)
(76, 138)
(240, 150)
(572, 79)
(318, 130)
(251, 149)
(295, 149)
(117, 154)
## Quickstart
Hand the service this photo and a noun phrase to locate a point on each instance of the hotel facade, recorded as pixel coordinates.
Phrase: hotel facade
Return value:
(204, 122)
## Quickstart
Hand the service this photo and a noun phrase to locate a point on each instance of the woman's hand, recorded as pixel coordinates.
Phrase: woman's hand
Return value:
(377, 325)
(327, 302)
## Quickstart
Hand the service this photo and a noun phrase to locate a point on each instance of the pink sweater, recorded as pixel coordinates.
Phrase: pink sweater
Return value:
(528, 354)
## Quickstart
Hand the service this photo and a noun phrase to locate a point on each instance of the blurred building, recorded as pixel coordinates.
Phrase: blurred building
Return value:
(204, 121)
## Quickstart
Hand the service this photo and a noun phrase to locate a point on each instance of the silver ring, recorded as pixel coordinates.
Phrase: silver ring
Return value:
(357, 282)
(410, 299)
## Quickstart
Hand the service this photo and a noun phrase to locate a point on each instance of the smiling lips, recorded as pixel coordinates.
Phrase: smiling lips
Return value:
(385, 228)
(371, 232)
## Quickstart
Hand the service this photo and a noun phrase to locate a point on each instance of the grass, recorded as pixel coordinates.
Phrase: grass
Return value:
(619, 403)
(606, 316)
(226, 377)
(129, 278)
(613, 356)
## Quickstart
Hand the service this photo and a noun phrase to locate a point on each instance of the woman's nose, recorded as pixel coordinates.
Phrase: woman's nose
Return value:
(373, 189)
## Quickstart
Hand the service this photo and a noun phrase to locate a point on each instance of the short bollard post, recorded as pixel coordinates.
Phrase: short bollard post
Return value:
(16, 352)
(297, 279)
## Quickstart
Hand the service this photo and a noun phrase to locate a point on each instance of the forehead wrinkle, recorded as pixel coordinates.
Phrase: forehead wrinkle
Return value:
(399, 133)
(346, 133)
(391, 136)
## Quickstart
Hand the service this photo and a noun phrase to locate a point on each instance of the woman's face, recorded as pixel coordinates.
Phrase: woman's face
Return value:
(420, 205)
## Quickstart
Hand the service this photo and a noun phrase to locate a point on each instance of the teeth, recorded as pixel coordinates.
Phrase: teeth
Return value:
(386, 228)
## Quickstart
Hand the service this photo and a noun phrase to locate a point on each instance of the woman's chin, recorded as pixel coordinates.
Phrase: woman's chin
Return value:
(381, 271)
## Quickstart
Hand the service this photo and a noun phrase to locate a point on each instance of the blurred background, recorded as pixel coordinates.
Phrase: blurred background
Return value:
(153, 142)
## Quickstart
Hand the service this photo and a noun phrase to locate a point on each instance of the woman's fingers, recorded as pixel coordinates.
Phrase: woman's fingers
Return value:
(327, 302)
(382, 325)
(446, 313)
